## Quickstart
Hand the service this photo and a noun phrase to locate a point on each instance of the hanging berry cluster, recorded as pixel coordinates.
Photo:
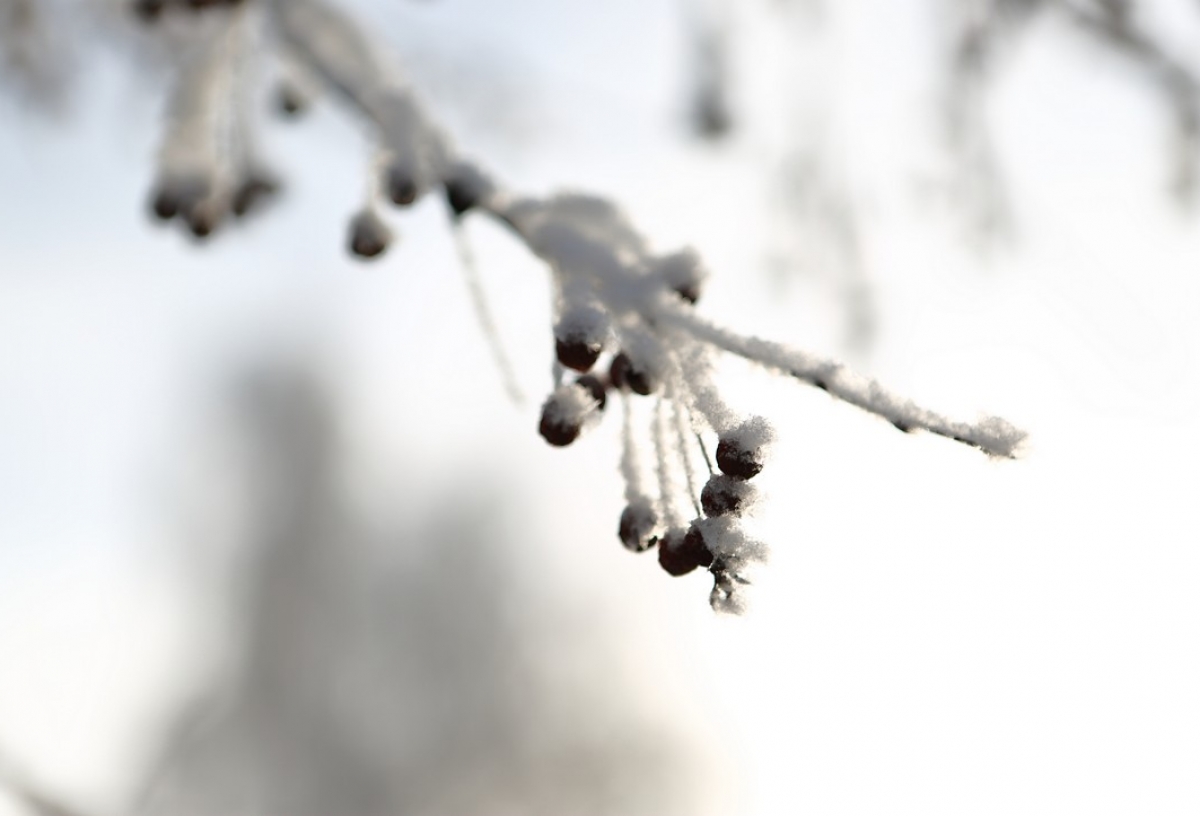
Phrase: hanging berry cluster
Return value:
(625, 319)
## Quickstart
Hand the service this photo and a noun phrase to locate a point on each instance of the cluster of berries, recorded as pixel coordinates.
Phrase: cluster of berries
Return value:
(209, 169)
(612, 293)
(712, 540)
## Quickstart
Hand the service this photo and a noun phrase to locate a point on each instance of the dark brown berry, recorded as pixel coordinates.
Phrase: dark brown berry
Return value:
(204, 216)
(556, 430)
(576, 353)
(148, 11)
(595, 387)
(202, 221)
(401, 186)
(625, 375)
(201, 224)
(681, 552)
(290, 100)
(460, 196)
(177, 196)
(565, 412)
(638, 527)
(724, 495)
(735, 460)
(369, 236)
(165, 204)
(579, 335)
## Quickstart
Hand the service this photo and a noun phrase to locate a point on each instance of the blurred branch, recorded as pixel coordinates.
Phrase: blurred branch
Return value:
(1113, 23)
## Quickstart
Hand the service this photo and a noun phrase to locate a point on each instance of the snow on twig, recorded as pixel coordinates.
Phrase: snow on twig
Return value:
(625, 319)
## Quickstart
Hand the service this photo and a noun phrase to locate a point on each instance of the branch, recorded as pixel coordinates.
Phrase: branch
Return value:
(614, 296)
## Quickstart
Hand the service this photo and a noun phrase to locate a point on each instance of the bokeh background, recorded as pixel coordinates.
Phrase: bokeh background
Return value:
(273, 539)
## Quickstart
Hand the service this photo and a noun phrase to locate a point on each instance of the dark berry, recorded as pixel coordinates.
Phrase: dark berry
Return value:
(580, 334)
(638, 526)
(565, 412)
(735, 460)
(625, 375)
(369, 237)
(576, 353)
(460, 195)
(401, 186)
(557, 430)
(176, 196)
(203, 219)
(681, 552)
(595, 387)
(290, 100)
(724, 495)
(148, 11)
(202, 214)
(165, 204)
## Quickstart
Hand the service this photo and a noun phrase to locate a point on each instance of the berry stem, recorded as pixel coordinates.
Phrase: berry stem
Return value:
(483, 313)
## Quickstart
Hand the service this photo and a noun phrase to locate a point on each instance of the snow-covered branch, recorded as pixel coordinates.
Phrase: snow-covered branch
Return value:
(625, 318)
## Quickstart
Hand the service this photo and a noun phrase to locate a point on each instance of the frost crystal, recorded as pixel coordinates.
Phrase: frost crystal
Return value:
(612, 294)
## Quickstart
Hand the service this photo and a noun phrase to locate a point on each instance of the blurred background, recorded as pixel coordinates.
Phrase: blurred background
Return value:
(273, 539)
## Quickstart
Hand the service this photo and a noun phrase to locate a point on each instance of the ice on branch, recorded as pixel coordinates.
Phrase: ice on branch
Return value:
(625, 318)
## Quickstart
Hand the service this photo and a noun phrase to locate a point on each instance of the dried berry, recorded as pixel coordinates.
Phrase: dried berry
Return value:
(460, 195)
(596, 388)
(165, 203)
(204, 216)
(725, 495)
(557, 431)
(638, 529)
(579, 336)
(626, 375)
(148, 11)
(290, 100)
(741, 450)
(737, 461)
(401, 186)
(577, 354)
(564, 414)
(369, 236)
(178, 196)
(680, 552)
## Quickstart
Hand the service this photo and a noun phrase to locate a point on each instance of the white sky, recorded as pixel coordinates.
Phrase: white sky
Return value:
(938, 634)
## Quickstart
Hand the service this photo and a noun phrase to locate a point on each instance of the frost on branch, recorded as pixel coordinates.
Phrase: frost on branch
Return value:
(613, 294)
